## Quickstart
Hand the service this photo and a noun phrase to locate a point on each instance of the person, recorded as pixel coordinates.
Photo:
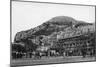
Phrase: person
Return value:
(30, 54)
(64, 54)
(37, 55)
(83, 50)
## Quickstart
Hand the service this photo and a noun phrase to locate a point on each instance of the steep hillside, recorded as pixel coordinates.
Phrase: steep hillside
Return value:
(56, 28)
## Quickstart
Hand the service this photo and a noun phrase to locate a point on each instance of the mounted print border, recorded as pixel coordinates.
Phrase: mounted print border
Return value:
(44, 33)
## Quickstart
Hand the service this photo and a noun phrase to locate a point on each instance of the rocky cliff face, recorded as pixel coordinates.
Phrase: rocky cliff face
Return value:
(56, 28)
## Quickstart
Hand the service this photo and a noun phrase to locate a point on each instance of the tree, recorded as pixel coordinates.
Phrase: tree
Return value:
(29, 45)
(18, 47)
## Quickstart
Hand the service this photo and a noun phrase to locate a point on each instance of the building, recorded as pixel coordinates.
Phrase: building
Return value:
(77, 46)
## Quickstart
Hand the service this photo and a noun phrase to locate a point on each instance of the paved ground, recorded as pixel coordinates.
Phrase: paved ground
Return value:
(51, 60)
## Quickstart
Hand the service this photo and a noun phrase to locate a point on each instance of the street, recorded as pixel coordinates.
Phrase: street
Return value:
(50, 60)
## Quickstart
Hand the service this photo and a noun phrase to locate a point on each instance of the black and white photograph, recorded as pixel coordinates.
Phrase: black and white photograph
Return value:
(52, 33)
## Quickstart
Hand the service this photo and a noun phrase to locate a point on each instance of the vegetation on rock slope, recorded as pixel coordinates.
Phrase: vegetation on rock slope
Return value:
(56, 28)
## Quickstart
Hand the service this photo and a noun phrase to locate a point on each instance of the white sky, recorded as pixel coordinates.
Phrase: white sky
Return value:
(26, 15)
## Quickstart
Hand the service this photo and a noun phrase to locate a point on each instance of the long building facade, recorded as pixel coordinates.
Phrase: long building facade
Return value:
(83, 45)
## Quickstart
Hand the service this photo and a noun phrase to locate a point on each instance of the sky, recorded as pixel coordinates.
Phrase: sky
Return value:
(27, 15)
